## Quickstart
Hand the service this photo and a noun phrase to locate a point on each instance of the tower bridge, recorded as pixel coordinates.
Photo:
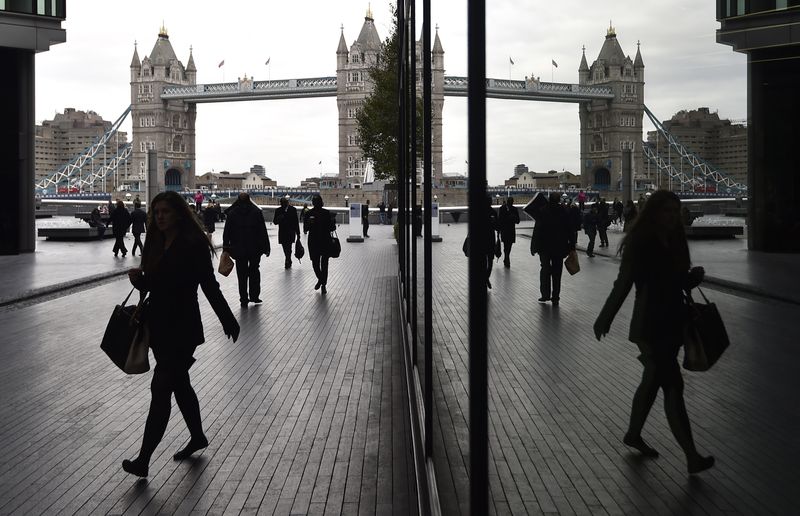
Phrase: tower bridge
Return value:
(609, 94)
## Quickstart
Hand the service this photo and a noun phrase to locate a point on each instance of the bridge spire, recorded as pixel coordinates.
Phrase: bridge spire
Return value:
(612, 32)
(162, 32)
(369, 11)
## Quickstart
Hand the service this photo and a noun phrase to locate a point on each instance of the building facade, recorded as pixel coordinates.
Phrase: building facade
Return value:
(68, 134)
(610, 127)
(354, 86)
(721, 143)
(166, 126)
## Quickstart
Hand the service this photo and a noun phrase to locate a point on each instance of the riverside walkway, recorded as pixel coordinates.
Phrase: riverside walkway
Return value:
(307, 413)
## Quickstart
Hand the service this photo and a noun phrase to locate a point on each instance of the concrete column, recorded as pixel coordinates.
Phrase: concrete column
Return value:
(17, 165)
(773, 221)
(627, 175)
(152, 175)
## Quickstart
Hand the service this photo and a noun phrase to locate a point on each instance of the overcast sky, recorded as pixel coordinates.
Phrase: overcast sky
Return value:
(685, 69)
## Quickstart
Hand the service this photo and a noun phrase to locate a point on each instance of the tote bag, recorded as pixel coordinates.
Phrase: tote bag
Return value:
(126, 339)
(706, 338)
(335, 248)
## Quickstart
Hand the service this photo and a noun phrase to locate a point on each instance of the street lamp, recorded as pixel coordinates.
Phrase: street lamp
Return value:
(435, 198)
(346, 201)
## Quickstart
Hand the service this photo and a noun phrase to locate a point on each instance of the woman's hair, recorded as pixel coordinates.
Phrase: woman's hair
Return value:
(316, 201)
(648, 225)
(188, 227)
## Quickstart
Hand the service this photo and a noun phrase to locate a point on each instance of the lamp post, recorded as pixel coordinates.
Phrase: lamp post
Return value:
(346, 201)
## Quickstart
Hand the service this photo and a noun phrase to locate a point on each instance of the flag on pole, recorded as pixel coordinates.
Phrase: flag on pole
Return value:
(320, 163)
(554, 63)
(510, 60)
(221, 63)
(268, 60)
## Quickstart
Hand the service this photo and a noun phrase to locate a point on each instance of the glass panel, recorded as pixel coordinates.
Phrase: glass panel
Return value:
(40, 7)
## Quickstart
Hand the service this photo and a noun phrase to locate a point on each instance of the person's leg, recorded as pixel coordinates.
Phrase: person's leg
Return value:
(544, 277)
(315, 263)
(241, 274)
(489, 262)
(287, 253)
(254, 274)
(157, 419)
(116, 246)
(507, 253)
(590, 246)
(323, 268)
(186, 398)
(556, 268)
(643, 401)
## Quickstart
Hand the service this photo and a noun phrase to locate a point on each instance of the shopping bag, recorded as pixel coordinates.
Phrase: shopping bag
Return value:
(571, 263)
(299, 251)
(335, 247)
(706, 338)
(225, 263)
(126, 339)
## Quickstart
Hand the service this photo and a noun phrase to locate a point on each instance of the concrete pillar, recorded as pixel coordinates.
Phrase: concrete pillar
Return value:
(152, 175)
(773, 222)
(17, 157)
(627, 175)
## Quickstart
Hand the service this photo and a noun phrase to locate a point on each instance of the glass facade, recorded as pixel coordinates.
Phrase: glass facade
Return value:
(49, 8)
(733, 8)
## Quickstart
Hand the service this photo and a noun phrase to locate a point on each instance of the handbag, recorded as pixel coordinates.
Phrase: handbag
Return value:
(126, 339)
(572, 264)
(498, 251)
(225, 263)
(299, 251)
(706, 338)
(335, 247)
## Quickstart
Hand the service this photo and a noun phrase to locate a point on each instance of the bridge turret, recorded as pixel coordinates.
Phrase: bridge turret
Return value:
(638, 63)
(341, 52)
(136, 65)
(583, 69)
(191, 69)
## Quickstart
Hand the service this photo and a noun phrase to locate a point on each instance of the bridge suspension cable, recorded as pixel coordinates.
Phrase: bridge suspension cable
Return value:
(701, 170)
(72, 173)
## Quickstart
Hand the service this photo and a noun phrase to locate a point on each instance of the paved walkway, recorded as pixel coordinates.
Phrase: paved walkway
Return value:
(306, 413)
(560, 400)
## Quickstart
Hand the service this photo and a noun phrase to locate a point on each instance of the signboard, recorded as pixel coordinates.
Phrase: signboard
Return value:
(435, 219)
(355, 220)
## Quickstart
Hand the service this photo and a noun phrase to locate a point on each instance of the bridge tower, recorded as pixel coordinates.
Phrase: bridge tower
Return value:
(166, 126)
(609, 127)
(354, 86)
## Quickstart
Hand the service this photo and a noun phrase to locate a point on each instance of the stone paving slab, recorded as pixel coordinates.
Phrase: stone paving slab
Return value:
(306, 412)
(559, 401)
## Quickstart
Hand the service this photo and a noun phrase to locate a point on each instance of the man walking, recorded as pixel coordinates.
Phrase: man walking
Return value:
(382, 212)
(365, 218)
(139, 226)
(507, 219)
(288, 229)
(554, 240)
(245, 238)
(120, 222)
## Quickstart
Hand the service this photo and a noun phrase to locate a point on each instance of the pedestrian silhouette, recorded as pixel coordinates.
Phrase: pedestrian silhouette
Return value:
(288, 229)
(655, 258)
(554, 234)
(245, 238)
(507, 220)
(120, 220)
(138, 226)
(176, 259)
(319, 223)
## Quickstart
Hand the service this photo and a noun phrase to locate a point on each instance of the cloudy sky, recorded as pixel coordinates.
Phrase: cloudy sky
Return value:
(685, 69)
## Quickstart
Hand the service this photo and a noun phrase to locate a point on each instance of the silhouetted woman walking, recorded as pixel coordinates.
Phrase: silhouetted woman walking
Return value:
(176, 259)
(655, 258)
(319, 223)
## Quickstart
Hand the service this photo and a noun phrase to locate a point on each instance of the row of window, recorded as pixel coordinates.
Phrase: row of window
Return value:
(353, 140)
(177, 121)
(145, 89)
(356, 76)
(629, 88)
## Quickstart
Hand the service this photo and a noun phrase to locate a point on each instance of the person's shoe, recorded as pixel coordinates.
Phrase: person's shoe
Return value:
(287, 265)
(488, 284)
(544, 299)
(700, 463)
(638, 443)
(555, 301)
(324, 290)
(507, 265)
(135, 467)
(590, 255)
(243, 303)
(124, 255)
(192, 446)
(116, 255)
(319, 284)
(255, 300)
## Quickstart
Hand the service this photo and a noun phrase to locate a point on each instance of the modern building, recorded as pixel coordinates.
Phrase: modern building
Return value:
(610, 127)
(721, 142)
(354, 86)
(26, 28)
(768, 31)
(168, 127)
(68, 134)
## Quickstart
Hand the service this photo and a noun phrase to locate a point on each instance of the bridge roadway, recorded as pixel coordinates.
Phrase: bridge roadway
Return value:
(307, 412)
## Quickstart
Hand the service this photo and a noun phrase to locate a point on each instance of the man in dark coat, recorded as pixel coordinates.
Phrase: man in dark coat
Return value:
(288, 228)
(507, 219)
(590, 227)
(139, 223)
(120, 222)
(365, 218)
(245, 238)
(554, 235)
(603, 221)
